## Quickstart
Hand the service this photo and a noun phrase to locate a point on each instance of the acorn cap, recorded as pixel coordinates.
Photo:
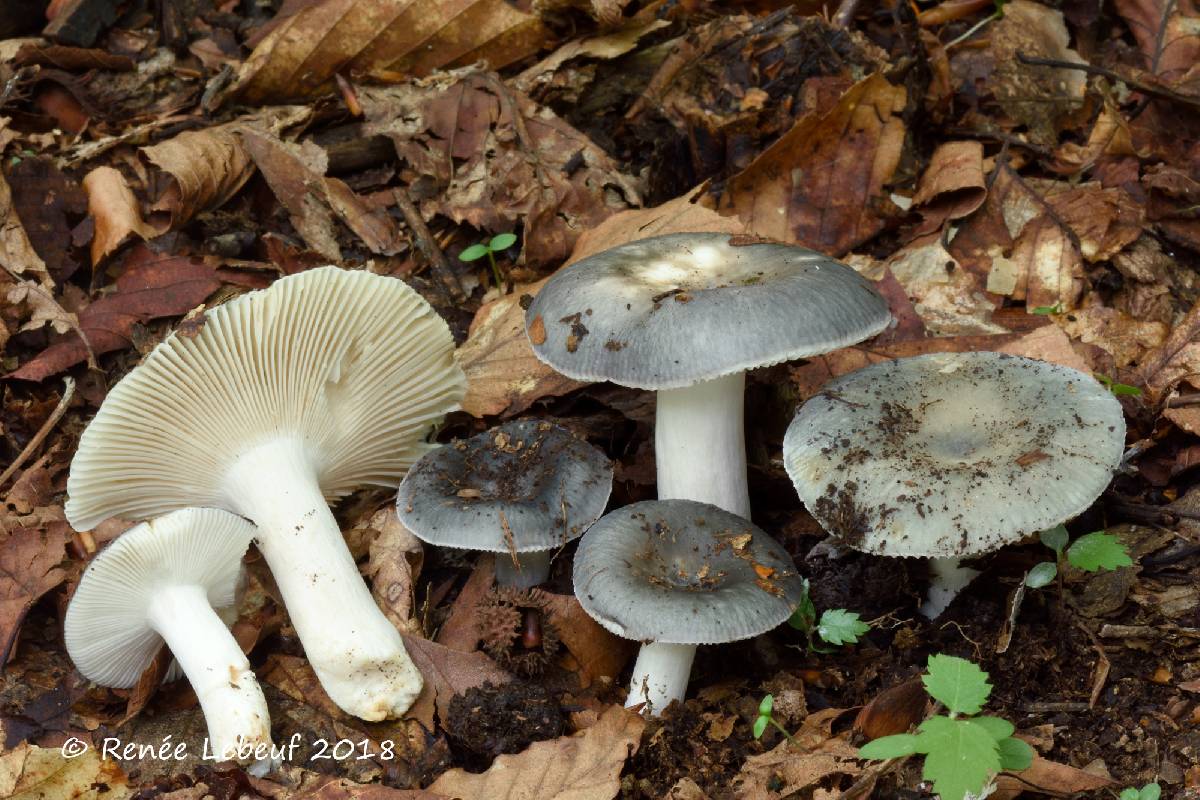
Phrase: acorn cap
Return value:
(356, 366)
(682, 572)
(106, 627)
(670, 311)
(953, 454)
(524, 486)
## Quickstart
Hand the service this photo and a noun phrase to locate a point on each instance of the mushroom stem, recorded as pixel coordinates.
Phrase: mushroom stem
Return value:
(700, 444)
(522, 570)
(357, 654)
(229, 694)
(947, 577)
(660, 675)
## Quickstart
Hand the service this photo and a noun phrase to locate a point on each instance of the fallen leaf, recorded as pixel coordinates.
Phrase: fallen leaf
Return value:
(293, 171)
(394, 562)
(813, 756)
(1047, 267)
(1167, 32)
(381, 38)
(150, 287)
(1048, 777)
(37, 773)
(1127, 339)
(447, 673)
(30, 562)
(949, 299)
(821, 184)
(114, 211)
(459, 631)
(49, 203)
(17, 254)
(952, 186)
(596, 652)
(585, 766)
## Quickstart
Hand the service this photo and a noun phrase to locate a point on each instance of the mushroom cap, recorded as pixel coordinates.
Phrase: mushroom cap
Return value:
(682, 572)
(953, 454)
(523, 486)
(357, 366)
(670, 311)
(106, 627)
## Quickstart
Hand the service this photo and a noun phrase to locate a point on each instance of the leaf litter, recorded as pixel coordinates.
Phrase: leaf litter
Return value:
(1026, 183)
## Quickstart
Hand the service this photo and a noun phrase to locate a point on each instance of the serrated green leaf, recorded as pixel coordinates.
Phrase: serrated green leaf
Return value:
(767, 704)
(997, 727)
(502, 241)
(805, 615)
(1015, 755)
(760, 726)
(1151, 791)
(957, 683)
(1055, 538)
(961, 755)
(1097, 551)
(474, 252)
(839, 626)
(885, 747)
(1041, 574)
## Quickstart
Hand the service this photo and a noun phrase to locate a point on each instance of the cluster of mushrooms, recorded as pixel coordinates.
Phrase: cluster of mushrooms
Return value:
(289, 398)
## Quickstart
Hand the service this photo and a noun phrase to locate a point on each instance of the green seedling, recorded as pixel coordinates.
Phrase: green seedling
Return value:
(1151, 791)
(1045, 310)
(1118, 389)
(1090, 553)
(764, 719)
(837, 626)
(498, 243)
(963, 752)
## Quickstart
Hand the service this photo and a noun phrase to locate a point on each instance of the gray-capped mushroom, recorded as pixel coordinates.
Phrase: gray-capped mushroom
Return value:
(165, 580)
(686, 315)
(674, 574)
(279, 402)
(950, 455)
(520, 490)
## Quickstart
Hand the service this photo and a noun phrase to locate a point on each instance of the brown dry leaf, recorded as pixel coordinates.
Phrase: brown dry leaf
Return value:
(1175, 360)
(813, 757)
(503, 375)
(314, 786)
(596, 652)
(498, 159)
(585, 766)
(821, 184)
(605, 46)
(30, 560)
(16, 251)
(371, 224)
(447, 673)
(293, 172)
(1047, 267)
(394, 563)
(28, 772)
(1174, 198)
(382, 38)
(948, 298)
(1041, 98)
(150, 287)
(459, 631)
(114, 210)
(43, 308)
(1105, 221)
(1123, 337)
(952, 186)
(1167, 32)
(1110, 136)
(1049, 777)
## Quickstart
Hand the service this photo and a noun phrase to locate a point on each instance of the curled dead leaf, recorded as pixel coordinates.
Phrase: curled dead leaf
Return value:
(114, 210)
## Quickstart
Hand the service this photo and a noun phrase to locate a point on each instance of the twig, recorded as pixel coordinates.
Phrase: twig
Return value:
(845, 13)
(43, 432)
(1145, 87)
(426, 244)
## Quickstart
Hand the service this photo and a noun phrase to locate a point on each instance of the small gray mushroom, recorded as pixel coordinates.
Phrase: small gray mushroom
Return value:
(521, 490)
(950, 455)
(674, 574)
(686, 315)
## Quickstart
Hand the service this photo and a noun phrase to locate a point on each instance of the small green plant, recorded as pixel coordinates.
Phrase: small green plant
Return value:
(1151, 791)
(764, 718)
(1118, 389)
(1090, 553)
(496, 244)
(1042, 310)
(963, 752)
(837, 626)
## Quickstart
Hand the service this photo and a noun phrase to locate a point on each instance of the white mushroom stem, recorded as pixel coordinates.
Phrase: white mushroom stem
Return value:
(947, 577)
(357, 654)
(700, 444)
(218, 671)
(660, 676)
(530, 568)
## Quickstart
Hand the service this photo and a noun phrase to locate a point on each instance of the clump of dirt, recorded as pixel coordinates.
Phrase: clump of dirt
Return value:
(489, 720)
(689, 742)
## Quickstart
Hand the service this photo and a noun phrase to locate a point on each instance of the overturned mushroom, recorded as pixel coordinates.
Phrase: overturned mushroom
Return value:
(674, 574)
(950, 455)
(520, 490)
(281, 401)
(686, 315)
(165, 580)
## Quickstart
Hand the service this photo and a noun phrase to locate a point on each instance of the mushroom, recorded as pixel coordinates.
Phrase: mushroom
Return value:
(950, 455)
(686, 315)
(523, 489)
(274, 404)
(674, 574)
(164, 580)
